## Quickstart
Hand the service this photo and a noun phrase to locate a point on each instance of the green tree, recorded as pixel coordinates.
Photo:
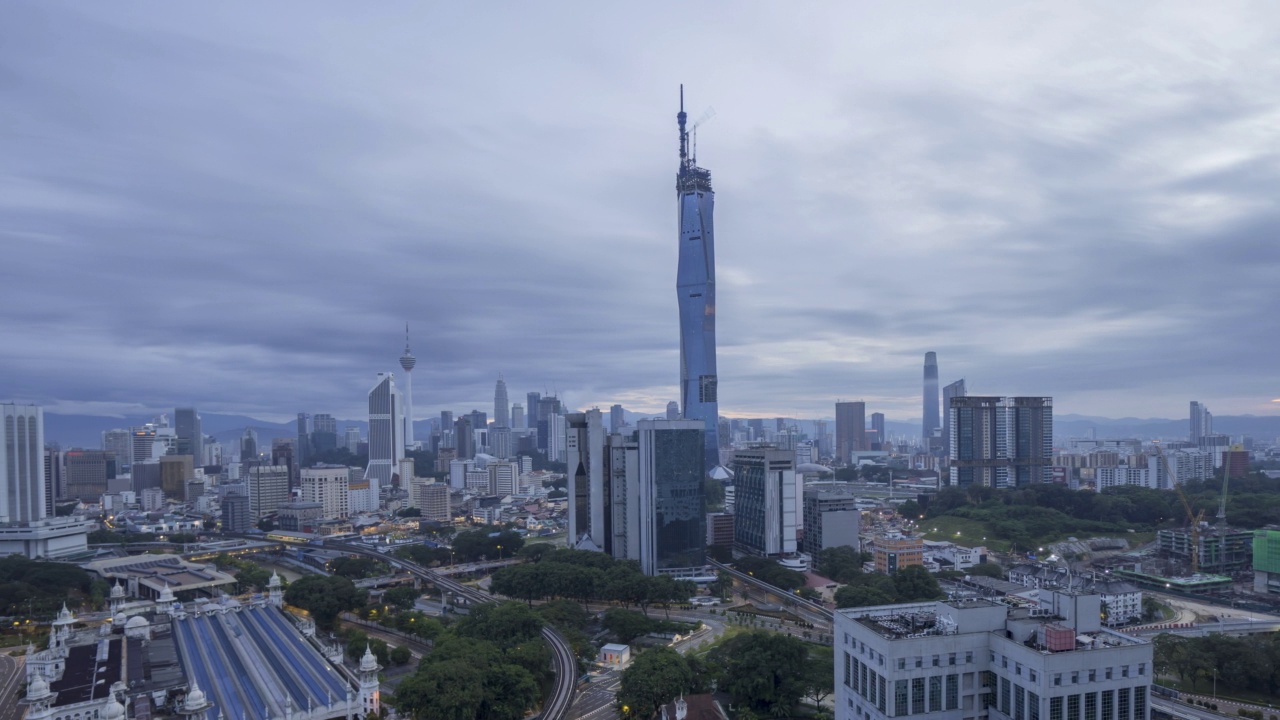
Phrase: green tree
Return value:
(653, 678)
(853, 596)
(400, 655)
(564, 615)
(626, 625)
(841, 563)
(324, 597)
(402, 597)
(819, 676)
(503, 624)
(765, 671)
(914, 583)
(508, 691)
(451, 690)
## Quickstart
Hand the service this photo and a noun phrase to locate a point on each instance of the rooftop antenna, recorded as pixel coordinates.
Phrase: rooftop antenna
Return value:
(681, 117)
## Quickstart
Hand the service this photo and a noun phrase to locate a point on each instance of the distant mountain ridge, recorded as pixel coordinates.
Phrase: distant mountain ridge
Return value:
(85, 431)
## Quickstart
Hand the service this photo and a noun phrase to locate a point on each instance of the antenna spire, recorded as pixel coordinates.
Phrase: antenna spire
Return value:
(681, 119)
(406, 338)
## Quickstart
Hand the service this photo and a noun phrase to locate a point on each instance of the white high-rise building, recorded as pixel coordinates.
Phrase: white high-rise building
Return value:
(26, 525)
(555, 437)
(501, 406)
(386, 423)
(504, 477)
(328, 485)
(517, 417)
(766, 507)
(351, 439)
(22, 464)
(268, 487)
(407, 362)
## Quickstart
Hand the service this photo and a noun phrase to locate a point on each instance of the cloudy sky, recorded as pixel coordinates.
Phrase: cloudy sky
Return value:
(239, 205)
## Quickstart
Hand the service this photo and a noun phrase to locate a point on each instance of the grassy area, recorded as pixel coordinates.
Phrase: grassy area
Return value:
(965, 531)
(962, 531)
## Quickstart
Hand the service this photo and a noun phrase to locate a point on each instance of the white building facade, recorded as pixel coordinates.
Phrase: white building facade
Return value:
(978, 660)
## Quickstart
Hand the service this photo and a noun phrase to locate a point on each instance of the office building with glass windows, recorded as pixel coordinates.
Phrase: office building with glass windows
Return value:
(672, 537)
(979, 660)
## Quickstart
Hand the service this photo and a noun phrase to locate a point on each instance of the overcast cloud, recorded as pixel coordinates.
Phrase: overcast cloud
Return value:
(239, 205)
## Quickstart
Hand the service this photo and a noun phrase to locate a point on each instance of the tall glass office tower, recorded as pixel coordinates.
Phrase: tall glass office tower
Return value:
(696, 290)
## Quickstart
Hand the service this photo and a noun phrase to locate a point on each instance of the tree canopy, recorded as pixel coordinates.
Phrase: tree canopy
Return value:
(490, 665)
(324, 597)
(910, 584)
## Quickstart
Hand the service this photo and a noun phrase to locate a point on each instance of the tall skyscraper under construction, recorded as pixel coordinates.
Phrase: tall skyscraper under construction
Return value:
(696, 290)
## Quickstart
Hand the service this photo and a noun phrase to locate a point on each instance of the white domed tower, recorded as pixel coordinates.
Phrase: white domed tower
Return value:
(117, 599)
(370, 695)
(61, 631)
(194, 705)
(275, 590)
(39, 698)
(164, 603)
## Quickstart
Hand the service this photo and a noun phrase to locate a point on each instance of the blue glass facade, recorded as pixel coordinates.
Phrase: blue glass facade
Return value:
(696, 290)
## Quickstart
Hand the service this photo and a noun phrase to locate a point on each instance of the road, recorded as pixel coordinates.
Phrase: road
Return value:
(557, 705)
(12, 675)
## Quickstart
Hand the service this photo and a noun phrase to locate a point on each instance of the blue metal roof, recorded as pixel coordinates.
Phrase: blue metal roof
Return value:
(252, 663)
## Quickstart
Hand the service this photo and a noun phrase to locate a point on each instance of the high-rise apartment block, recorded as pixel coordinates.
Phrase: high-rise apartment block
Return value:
(673, 410)
(851, 429)
(953, 390)
(22, 464)
(328, 485)
(930, 427)
(1201, 422)
(268, 487)
(766, 512)
(1001, 441)
(386, 423)
(696, 294)
(954, 659)
(26, 524)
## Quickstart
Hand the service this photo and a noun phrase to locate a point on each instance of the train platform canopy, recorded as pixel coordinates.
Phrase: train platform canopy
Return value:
(253, 664)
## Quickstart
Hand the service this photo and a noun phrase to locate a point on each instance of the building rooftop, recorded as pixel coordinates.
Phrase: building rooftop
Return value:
(254, 665)
(90, 672)
(159, 571)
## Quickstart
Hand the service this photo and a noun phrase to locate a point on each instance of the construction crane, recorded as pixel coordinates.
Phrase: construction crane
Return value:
(1193, 519)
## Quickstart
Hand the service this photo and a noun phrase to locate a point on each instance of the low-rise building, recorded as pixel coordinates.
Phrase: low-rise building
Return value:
(955, 659)
(1121, 599)
(892, 553)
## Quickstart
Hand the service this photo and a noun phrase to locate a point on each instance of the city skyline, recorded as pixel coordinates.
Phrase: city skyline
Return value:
(1115, 183)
